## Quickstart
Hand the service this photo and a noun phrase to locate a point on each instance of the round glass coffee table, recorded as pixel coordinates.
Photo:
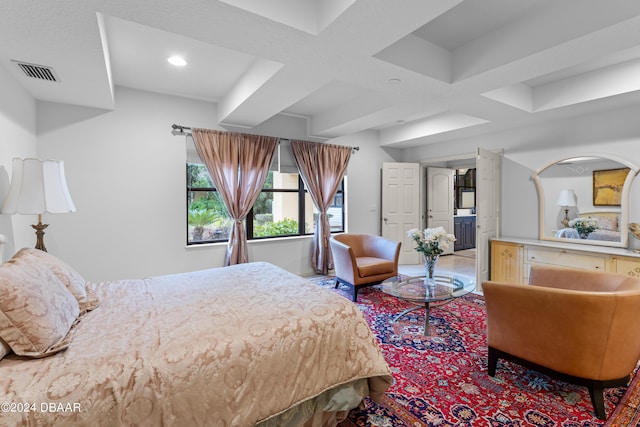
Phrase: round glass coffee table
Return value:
(428, 293)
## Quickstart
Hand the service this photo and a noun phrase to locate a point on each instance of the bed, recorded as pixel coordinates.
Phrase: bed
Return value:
(242, 345)
(608, 223)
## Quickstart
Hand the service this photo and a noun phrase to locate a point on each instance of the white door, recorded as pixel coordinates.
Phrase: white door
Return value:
(488, 188)
(401, 206)
(440, 200)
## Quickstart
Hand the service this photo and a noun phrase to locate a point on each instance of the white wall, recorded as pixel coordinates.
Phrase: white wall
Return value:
(18, 124)
(126, 174)
(527, 149)
(364, 176)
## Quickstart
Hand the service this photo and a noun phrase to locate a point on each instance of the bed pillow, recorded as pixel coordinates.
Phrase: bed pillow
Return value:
(607, 223)
(74, 282)
(37, 311)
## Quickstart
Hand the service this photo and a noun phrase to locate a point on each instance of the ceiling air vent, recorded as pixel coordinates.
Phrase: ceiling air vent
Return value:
(40, 72)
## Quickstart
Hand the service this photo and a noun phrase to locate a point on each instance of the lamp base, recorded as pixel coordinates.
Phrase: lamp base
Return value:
(39, 227)
(565, 221)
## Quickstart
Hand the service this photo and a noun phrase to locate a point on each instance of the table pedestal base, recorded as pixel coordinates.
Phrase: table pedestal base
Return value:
(427, 308)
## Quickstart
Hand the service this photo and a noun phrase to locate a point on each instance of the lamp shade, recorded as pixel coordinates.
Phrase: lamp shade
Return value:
(37, 187)
(567, 198)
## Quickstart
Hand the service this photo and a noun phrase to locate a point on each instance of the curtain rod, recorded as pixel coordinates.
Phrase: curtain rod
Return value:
(180, 130)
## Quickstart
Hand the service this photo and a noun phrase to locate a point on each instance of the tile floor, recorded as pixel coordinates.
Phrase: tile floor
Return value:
(462, 262)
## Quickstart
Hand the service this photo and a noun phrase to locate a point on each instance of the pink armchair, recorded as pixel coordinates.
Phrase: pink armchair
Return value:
(363, 259)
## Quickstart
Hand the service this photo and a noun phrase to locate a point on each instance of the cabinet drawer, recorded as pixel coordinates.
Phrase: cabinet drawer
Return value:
(562, 258)
(627, 266)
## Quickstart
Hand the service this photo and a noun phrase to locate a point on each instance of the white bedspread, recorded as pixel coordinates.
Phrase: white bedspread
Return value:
(606, 235)
(226, 347)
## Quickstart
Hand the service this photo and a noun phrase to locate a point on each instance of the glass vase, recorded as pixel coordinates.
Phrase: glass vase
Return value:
(430, 262)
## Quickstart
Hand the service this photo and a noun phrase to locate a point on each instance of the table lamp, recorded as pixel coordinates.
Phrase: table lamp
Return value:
(567, 199)
(38, 187)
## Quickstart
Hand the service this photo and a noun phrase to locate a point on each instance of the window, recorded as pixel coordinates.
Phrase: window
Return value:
(207, 217)
(283, 208)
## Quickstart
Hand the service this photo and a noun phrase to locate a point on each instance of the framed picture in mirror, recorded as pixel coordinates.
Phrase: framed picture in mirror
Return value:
(607, 186)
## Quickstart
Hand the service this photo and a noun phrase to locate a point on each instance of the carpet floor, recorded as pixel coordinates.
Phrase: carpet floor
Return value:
(442, 380)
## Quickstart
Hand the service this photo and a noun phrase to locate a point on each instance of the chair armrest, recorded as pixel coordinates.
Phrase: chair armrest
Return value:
(585, 334)
(344, 260)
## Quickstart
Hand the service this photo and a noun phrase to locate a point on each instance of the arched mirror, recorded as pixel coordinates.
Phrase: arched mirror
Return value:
(585, 200)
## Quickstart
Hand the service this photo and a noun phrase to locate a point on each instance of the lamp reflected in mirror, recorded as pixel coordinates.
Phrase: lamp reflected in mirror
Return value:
(567, 199)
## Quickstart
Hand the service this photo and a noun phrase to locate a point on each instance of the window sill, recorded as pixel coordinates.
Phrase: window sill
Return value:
(252, 242)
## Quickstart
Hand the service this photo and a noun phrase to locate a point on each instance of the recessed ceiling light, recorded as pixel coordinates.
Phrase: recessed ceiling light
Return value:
(394, 81)
(178, 61)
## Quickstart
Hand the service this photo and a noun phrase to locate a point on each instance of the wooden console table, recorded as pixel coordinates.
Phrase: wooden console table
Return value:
(511, 258)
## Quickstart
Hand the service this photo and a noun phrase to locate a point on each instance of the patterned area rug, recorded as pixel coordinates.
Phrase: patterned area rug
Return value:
(442, 380)
(627, 413)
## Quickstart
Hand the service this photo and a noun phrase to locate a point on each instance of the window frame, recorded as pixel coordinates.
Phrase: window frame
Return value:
(248, 223)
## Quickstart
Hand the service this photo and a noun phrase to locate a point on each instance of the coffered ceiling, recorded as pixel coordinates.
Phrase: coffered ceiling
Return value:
(414, 71)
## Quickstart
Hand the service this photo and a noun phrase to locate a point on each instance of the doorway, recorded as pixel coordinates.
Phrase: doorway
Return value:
(461, 258)
(488, 189)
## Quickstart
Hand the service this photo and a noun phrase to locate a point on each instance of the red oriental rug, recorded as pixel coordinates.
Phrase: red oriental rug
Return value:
(627, 413)
(442, 380)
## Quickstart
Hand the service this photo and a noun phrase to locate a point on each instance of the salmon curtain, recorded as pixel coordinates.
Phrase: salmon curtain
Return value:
(322, 167)
(238, 164)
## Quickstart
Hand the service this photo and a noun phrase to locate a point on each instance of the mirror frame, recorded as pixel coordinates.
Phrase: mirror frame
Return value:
(624, 202)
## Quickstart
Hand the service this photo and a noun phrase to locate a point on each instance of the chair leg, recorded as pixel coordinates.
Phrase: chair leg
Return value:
(492, 361)
(354, 289)
(597, 399)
